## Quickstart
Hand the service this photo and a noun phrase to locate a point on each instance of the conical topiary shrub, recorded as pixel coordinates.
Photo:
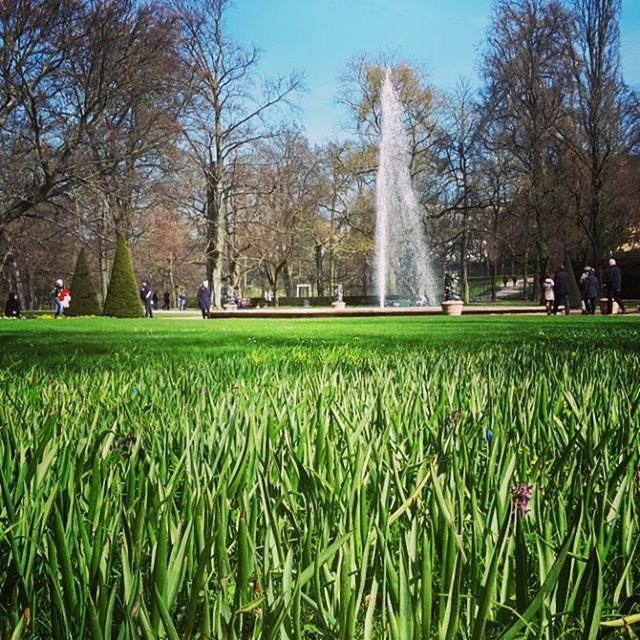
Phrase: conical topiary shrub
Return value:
(122, 299)
(574, 290)
(84, 299)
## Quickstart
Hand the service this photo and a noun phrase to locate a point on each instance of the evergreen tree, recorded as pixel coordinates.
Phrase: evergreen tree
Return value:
(574, 290)
(84, 299)
(122, 299)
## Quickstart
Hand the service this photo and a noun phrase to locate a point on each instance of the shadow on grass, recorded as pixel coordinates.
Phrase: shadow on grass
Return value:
(99, 344)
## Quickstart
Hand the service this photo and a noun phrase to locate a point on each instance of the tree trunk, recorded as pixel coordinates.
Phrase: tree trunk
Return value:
(498, 252)
(464, 268)
(30, 292)
(16, 276)
(274, 282)
(234, 272)
(319, 255)
(464, 247)
(288, 282)
(542, 267)
(172, 282)
(215, 234)
(494, 277)
(102, 272)
(596, 240)
(103, 264)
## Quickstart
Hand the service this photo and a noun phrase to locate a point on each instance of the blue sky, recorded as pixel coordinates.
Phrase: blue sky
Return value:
(319, 37)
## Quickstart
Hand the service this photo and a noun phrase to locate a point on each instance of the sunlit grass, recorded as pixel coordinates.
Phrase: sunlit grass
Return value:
(318, 479)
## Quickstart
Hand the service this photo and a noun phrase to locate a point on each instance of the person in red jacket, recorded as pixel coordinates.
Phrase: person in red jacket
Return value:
(61, 296)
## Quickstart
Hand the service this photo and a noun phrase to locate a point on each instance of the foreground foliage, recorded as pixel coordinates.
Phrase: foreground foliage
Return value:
(335, 492)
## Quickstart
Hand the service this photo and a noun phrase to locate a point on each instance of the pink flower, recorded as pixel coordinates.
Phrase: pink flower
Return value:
(520, 497)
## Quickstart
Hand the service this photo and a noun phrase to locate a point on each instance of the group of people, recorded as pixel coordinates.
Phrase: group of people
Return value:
(150, 299)
(204, 299)
(60, 295)
(556, 290)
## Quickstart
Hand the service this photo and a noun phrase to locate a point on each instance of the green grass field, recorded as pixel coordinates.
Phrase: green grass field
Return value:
(355, 478)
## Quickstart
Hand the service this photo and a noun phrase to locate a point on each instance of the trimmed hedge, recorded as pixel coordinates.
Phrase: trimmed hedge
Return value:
(123, 300)
(84, 299)
(575, 296)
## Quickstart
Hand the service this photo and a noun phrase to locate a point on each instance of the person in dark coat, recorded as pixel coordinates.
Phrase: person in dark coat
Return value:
(146, 296)
(614, 285)
(590, 292)
(12, 308)
(583, 278)
(166, 299)
(561, 291)
(204, 298)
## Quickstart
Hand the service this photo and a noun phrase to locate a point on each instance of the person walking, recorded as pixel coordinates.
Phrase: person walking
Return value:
(561, 291)
(590, 292)
(166, 299)
(55, 294)
(505, 281)
(547, 290)
(583, 278)
(61, 296)
(146, 295)
(614, 285)
(204, 298)
(182, 299)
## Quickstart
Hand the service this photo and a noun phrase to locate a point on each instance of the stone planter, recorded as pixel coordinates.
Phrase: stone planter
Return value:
(229, 307)
(452, 307)
(338, 304)
(615, 309)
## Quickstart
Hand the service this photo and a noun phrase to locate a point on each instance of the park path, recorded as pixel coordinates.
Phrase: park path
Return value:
(508, 292)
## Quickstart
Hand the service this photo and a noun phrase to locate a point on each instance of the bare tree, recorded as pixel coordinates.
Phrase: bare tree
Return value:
(459, 148)
(525, 69)
(131, 143)
(361, 85)
(286, 208)
(35, 37)
(603, 122)
(85, 110)
(230, 110)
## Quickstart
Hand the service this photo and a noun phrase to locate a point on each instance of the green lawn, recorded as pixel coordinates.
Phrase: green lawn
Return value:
(319, 478)
(101, 342)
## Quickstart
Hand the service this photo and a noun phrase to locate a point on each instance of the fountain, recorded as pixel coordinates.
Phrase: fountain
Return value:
(402, 257)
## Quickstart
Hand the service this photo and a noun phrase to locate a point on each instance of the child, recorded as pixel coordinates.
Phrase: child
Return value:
(549, 297)
(62, 298)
